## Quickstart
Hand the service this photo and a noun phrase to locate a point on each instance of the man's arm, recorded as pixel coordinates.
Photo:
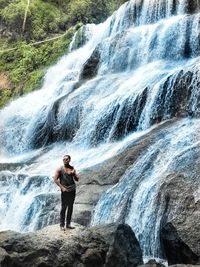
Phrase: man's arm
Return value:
(57, 181)
(76, 178)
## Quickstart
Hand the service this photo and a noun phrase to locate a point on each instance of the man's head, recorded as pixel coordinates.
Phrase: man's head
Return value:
(66, 160)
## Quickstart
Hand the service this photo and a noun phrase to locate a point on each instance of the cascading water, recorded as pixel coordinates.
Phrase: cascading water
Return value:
(135, 199)
(138, 68)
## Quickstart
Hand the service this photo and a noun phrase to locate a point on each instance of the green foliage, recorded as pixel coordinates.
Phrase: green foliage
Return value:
(91, 11)
(13, 15)
(5, 96)
(34, 80)
(42, 19)
(113, 5)
(4, 3)
(26, 65)
(87, 11)
(45, 19)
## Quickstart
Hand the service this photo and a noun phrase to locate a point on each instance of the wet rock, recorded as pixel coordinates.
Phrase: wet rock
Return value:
(48, 211)
(130, 113)
(131, 256)
(185, 265)
(177, 251)
(192, 6)
(90, 68)
(3, 255)
(152, 263)
(81, 37)
(48, 127)
(70, 125)
(103, 126)
(10, 166)
(85, 247)
(180, 225)
(7, 178)
(101, 177)
(174, 98)
(34, 181)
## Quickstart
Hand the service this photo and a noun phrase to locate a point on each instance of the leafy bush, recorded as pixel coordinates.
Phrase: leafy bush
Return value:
(42, 19)
(26, 65)
(5, 96)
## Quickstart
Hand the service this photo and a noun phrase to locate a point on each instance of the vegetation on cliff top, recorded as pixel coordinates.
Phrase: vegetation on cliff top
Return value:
(23, 23)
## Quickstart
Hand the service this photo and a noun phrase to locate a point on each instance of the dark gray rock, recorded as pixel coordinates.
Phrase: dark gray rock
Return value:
(101, 177)
(152, 263)
(177, 251)
(90, 68)
(108, 245)
(192, 6)
(185, 265)
(180, 227)
(117, 256)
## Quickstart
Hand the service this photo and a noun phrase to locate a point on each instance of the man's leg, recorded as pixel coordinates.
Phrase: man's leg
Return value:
(63, 208)
(70, 203)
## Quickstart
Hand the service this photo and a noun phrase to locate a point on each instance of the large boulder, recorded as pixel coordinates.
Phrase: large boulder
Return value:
(108, 245)
(180, 227)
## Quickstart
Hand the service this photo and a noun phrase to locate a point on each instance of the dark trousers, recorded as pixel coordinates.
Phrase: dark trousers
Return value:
(67, 201)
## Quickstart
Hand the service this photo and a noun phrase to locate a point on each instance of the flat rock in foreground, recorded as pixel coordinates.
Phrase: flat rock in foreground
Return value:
(108, 245)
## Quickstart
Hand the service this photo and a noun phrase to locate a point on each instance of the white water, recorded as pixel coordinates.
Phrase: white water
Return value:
(137, 192)
(142, 50)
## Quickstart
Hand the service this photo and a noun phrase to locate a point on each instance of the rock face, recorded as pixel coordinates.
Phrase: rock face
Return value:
(96, 179)
(101, 177)
(153, 263)
(180, 230)
(178, 251)
(90, 68)
(108, 245)
(177, 202)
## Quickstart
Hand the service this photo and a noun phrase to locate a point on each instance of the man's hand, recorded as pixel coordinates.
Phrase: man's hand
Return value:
(63, 189)
(73, 171)
(76, 178)
(56, 179)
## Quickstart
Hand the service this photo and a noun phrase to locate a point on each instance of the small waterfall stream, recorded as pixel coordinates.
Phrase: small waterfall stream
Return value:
(147, 69)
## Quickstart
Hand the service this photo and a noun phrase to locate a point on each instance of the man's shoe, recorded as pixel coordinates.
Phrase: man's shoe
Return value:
(69, 227)
(62, 228)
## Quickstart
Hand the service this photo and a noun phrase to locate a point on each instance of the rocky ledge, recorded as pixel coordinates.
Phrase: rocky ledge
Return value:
(108, 245)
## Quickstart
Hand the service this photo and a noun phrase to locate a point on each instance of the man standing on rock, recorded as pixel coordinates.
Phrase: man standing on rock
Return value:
(65, 178)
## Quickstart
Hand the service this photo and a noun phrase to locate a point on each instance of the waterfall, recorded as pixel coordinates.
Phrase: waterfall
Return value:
(147, 61)
(137, 69)
(135, 199)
